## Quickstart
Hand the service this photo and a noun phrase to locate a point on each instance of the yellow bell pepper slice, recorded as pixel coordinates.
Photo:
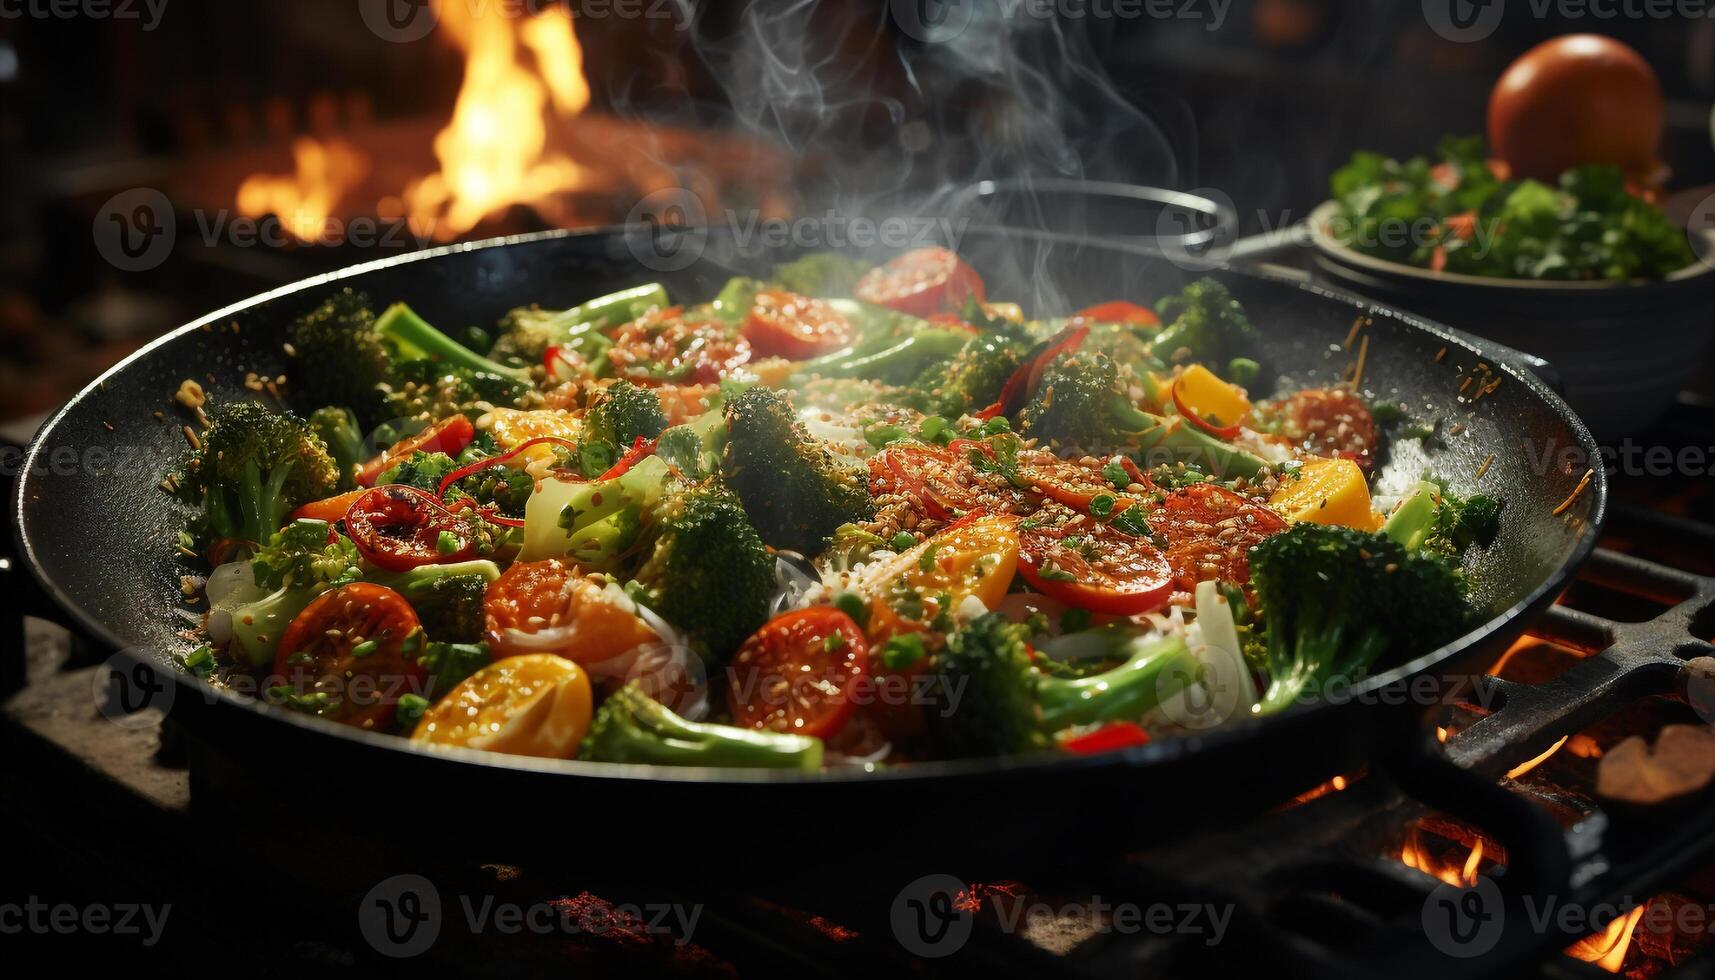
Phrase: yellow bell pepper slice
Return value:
(1326, 491)
(1211, 398)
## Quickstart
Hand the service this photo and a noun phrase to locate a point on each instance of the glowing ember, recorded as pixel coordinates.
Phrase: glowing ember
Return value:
(493, 153)
(1607, 949)
(306, 199)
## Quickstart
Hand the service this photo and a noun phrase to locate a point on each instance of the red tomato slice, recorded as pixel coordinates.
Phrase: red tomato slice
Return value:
(1210, 532)
(921, 282)
(399, 528)
(1114, 735)
(1330, 422)
(449, 435)
(350, 645)
(797, 672)
(1120, 311)
(785, 324)
(1088, 564)
(664, 347)
(331, 509)
(938, 479)
(1078, 486)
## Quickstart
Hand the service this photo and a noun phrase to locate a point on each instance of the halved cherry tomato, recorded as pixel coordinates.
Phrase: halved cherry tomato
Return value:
(552, 607)
(331, 509)
(536, 704)
(1210, 531)
(665, 347)
(1120, 311)
(1023, 382)
(921, 282)
(350, 644)
(1330, 422)
(797, 672)
(1086, 563)
(399, 528)
(786, 324)
(450, 435)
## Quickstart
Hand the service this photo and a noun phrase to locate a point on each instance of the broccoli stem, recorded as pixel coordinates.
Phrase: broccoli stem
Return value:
(905, 357)
(1411, 523)
(417, 338)
(1317, 652)
(617, 308)
(633, 727)
(1133, 689)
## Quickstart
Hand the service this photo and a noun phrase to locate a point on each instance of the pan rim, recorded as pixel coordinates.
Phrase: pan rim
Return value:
(1152, 754)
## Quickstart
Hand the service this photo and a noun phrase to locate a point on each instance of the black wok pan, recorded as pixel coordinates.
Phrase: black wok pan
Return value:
(98, 538)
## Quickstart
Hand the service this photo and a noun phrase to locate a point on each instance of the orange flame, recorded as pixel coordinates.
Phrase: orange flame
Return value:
(1607, 949)
(306, 199)
(1415, 855)
(494, 151)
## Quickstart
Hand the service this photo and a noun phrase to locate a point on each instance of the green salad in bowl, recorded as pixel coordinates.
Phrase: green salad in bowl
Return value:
(1459, 213)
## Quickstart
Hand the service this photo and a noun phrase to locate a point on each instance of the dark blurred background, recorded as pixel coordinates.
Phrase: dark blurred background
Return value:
(307, 107)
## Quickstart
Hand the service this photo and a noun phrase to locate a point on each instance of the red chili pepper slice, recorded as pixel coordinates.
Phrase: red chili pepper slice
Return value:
(1114, 735)
(1218, 431)
(450, 435)
(1024, 380)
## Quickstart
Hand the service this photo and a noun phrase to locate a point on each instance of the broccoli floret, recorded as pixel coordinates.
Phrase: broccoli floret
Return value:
(988, 662)
(1206, 325)
(973, 378)
(1333, 600)
(1436, 522)
(1083, 402)
(425, 471)
(630, 726)
(796, 488)
(1008, 705)
(336, 357)
(526, 333)
(822, 274)
(708, 572)
(338, 428)
(502, 487)
(297, 564)
(447, 598)
(253, 465)
(622, 414)
(305, 552)
(424, 390)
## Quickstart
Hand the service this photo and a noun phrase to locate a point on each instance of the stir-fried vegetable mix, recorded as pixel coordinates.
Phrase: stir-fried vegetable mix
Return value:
(851, 515)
